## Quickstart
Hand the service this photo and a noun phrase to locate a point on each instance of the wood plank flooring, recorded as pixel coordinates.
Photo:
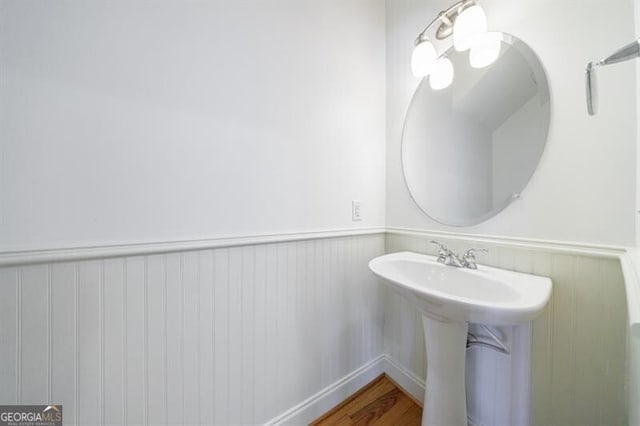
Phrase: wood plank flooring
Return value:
(379, 403)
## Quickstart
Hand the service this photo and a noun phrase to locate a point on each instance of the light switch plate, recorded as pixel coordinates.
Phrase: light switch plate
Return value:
(356, 213)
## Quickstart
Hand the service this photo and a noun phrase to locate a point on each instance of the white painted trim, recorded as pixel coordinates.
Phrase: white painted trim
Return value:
(320, 403)
(317, 405)
(549, 246)
(630, 263)
(64, 254)
(120, 249)
(323, 401)
(408, 381)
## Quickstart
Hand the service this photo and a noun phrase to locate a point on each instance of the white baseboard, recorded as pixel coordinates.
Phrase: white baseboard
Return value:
(411, 383)
(320, 403)
(408, 381)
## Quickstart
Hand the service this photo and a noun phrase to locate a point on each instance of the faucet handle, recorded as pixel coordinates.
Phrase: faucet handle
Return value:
(443, 248)
(469, 258)
(443, 251)
(475, 250)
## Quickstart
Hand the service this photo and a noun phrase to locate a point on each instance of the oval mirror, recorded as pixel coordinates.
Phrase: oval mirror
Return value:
(470, 149)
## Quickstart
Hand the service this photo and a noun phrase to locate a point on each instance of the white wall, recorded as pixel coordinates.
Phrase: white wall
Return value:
(130, 120)
(134, 121)
(584, 187)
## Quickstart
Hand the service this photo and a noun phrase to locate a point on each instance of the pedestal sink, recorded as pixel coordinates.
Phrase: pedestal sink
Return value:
(450, 298)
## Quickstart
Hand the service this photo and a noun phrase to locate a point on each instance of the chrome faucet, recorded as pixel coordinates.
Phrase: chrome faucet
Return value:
(469, 258)
(449, 258)
(446, 256)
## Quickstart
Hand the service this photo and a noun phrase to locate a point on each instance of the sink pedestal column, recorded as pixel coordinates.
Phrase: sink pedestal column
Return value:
(445, 401)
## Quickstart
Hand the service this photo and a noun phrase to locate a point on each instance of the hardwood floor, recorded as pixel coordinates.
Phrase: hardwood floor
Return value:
(379, 403)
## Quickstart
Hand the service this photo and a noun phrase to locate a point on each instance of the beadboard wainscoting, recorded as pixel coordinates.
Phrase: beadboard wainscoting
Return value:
(578, 357)
(231, 335)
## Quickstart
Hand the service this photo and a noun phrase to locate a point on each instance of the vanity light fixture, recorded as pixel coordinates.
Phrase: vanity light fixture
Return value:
(423, 58)
(485, 49)
(467, 23)
(470, 23)
(442, 74)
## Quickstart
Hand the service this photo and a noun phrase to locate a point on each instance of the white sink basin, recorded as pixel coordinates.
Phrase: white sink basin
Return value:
(449, 299)
(486, 295)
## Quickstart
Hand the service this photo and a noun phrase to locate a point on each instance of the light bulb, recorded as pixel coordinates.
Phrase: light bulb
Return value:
(423, 58)
(485, 49)
(469, 24)
(442, 74)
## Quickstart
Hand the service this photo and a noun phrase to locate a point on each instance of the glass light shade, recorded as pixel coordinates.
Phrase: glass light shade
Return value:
(423, 58)
(442, 74)
(468, 25)
(485, 49)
